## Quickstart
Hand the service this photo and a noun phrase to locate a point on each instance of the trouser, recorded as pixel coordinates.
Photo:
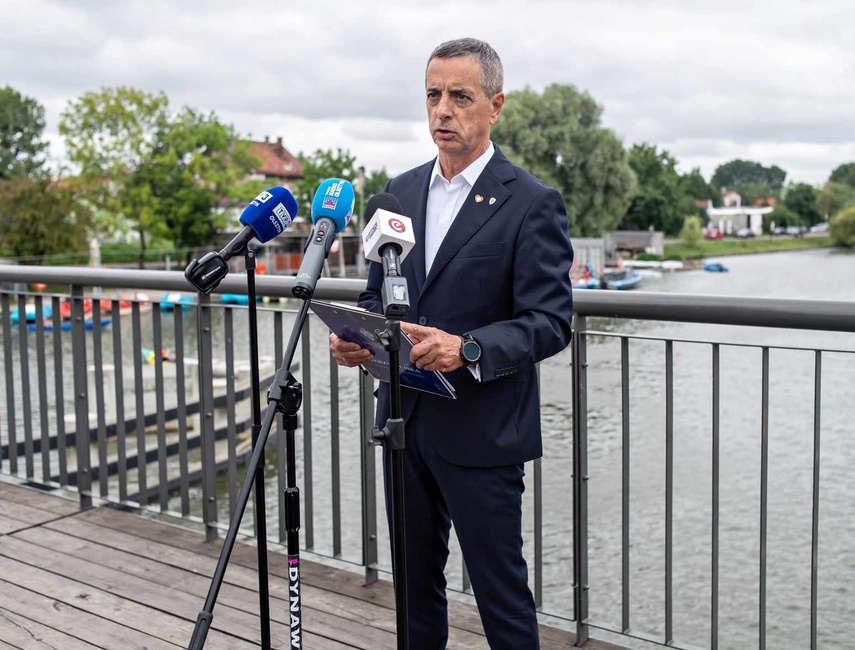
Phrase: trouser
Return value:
(485, 504)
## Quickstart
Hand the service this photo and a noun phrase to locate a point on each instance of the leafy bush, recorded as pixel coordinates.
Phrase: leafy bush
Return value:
(842, 228)
(690, 234)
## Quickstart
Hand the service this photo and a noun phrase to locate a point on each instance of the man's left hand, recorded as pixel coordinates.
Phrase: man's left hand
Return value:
(433, 349)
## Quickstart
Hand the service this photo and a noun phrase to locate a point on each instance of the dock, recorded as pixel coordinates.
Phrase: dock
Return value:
(104, 578)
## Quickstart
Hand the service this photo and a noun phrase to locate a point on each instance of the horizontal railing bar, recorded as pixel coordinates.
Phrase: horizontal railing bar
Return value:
(644, 305)
(666, 339)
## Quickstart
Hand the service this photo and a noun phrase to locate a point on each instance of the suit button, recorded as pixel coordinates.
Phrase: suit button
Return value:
(422, 320)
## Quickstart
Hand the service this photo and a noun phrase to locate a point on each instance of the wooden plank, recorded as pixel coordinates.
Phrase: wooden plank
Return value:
(317, 619)
(27, 634)
(144, 594)
(73, 621)
(461, 615)
(49, 501)
(26, 515)
(152, 622)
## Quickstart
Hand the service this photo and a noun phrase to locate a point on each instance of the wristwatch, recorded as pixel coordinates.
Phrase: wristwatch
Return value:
(470, 350)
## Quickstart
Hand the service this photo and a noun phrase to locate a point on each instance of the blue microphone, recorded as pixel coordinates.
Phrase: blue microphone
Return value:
(266, 216)
(332, 209)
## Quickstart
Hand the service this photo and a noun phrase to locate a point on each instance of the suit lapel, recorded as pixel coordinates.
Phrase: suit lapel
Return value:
(485, 198)
(417, 211)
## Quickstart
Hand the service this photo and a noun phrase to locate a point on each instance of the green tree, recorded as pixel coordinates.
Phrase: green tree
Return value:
(690, 234)
(558, 136)
(842, 228)
(747, 177)
(39, 217)
(162, 172)
(696, 187)
(197, 165)
(844, 173)
(781, 216)
(22, 123)
(109, 135)
(658, 203)
(375, 182)
(801, 199)
(834, 197)
(319, 166)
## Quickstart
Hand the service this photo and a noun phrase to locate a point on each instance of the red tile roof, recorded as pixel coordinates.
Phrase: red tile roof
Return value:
(276, 160)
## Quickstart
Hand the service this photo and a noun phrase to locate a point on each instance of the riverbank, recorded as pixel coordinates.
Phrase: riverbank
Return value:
(717, 248)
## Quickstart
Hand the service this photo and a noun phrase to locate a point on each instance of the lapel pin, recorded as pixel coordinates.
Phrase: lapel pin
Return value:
(492, 200)
(478, 198)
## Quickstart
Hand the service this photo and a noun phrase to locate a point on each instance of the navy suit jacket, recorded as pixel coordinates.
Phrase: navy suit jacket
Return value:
(502, 274)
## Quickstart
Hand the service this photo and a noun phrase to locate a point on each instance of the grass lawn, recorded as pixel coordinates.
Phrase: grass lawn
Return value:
(730, 246)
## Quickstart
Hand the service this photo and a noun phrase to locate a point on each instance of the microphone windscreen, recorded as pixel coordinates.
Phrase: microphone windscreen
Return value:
(383, 201)
(270, 213)
(334, 200)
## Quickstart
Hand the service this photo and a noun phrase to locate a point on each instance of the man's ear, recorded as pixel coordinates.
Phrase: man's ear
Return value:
(496, 104)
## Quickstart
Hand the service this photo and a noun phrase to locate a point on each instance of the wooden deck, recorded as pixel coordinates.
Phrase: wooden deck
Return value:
(103, 578)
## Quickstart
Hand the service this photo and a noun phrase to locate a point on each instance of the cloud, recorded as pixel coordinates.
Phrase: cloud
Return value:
(762, 78)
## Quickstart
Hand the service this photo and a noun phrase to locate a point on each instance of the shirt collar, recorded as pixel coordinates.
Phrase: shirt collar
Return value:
(471, 173)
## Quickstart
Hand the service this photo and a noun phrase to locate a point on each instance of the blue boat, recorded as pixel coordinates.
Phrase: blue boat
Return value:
(171, 300)
(65, 325)
(615, 279)
(30, 313)
(235, 299)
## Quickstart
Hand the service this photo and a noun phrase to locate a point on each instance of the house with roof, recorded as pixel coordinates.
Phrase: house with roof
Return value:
(278, 166)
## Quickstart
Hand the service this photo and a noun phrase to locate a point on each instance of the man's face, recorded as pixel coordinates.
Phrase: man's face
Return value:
(459, 113)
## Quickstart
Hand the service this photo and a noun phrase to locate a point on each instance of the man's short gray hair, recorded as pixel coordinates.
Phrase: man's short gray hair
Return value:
(492, 76)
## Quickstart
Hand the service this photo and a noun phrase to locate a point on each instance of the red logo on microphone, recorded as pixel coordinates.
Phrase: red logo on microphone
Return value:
(397, 225)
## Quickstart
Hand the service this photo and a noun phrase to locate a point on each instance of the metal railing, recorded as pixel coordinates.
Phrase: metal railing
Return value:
(175, 444)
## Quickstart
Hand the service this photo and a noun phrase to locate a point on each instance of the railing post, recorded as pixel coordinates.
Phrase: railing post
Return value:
(369, 478)
(580, 480)
(81, 397)
(206, 415)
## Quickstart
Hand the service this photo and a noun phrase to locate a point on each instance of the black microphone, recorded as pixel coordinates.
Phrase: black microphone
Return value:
(266, 216)
(332, 209)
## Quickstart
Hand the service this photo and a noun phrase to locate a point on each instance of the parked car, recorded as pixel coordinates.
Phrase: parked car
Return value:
(820, 227)
(713, 234)
(796, 231)
(744, 233)
(780, 230)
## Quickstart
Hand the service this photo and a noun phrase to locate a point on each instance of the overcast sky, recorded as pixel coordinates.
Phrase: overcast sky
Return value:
(770, 81)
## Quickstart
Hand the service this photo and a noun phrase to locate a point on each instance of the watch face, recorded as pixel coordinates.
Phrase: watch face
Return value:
(471, 351)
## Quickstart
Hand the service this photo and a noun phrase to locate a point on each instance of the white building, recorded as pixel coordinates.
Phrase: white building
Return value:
(730, 219)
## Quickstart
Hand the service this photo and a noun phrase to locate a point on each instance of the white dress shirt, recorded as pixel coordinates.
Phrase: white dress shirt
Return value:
(445, 198)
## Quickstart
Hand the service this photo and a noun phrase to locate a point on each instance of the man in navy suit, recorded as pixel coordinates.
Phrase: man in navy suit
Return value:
(490, 296)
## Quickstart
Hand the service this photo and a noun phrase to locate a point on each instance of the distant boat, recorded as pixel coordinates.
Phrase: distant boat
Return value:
(235, 299)
(65, 325)
(30, 313)
(170, 300)
(715, 267)
(615, 279)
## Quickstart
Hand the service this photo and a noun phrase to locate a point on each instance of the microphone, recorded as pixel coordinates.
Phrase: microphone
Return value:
(266, 216)
(388, 237)
(332, 208)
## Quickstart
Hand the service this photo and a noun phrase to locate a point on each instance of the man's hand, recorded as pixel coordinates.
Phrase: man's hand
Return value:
(348, 354)
(433, 349)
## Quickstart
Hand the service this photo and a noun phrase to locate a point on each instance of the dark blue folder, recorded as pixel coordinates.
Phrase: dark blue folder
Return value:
(359, 326)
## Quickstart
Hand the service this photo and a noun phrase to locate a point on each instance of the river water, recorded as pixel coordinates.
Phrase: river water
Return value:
(821, 274)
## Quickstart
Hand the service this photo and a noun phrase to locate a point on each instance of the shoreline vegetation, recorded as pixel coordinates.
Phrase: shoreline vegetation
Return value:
(725, 247)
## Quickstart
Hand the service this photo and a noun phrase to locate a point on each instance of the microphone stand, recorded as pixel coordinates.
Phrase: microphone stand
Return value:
(396, 306)
(260, 504)
(285, 396)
